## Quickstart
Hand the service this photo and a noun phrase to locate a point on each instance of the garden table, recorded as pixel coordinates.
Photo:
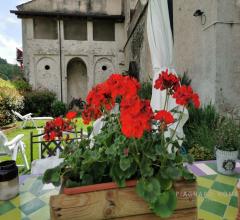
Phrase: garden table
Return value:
(217, 196)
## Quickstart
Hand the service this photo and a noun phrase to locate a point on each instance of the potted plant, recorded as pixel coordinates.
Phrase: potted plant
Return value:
(131, 153)
(228, 143)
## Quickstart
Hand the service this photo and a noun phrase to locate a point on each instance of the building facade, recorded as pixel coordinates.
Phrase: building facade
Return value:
(69, 46)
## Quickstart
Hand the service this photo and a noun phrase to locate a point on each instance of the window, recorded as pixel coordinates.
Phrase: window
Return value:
(45, 28)
(103, 30)
(75, 29)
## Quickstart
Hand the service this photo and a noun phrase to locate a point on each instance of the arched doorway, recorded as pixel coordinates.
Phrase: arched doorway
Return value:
(77, 80)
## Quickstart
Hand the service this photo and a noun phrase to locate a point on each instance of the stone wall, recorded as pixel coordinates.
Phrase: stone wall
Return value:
(46, 57)
(209, 51)
(137, 48)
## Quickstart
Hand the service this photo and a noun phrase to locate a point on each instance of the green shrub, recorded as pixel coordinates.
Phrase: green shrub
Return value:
(201, 127)
(6, 84)
(22, 85)
(58, 108)
(228, 135)
(146, 90)
(38, 102)
(10, 99)
(201, 153)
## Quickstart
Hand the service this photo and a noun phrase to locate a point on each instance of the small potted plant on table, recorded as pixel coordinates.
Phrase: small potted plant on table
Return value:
(228, 143)
(130, 169)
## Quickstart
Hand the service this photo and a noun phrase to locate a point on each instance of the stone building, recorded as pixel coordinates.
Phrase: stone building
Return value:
(70, 45)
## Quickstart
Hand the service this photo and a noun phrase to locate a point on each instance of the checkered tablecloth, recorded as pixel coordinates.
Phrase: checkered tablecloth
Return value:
(217, 196)
(32, 202)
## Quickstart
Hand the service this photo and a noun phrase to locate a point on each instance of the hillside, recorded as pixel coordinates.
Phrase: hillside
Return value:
(9, 71)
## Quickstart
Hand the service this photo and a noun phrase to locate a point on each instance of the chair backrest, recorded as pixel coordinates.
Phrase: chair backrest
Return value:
(18, 115)
(3, 141)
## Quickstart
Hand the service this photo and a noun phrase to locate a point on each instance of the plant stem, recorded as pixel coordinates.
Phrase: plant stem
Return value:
(166, 100)
(175, 130)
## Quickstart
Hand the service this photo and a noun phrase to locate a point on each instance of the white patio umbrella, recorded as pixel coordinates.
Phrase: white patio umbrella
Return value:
(161, 49)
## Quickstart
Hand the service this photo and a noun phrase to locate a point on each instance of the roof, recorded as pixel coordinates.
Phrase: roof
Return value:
(89, 16)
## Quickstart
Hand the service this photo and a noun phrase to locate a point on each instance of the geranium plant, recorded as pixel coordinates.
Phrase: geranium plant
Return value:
(131, 144)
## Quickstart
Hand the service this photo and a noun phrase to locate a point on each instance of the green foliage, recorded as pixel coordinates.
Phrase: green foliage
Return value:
(117, 158)
(146, 90)
(228, 135)
(10, 99)
(185, 79)
(201, 153)
(9, 71)
(22, 85)
(38, 102)
(200, 130)
(58, 108)
(53, 176)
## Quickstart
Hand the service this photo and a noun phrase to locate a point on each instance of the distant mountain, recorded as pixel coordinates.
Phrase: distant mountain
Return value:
(9, 71)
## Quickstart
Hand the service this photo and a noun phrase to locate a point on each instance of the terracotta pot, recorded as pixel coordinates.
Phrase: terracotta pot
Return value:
(96, 187)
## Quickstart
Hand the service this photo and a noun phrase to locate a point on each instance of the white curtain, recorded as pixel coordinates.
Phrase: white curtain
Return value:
(161, 49)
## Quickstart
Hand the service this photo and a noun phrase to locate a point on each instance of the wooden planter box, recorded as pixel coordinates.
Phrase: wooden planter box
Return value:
(111, 202)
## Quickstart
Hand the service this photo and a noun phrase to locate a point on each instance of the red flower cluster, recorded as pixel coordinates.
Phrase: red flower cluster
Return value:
(185, 95)
(54, 129)
(136, 116)
(165, 117)
(102, 97)
(167, 81)
(71, 115)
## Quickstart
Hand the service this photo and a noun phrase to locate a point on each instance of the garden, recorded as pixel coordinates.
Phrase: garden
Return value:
(129, 151)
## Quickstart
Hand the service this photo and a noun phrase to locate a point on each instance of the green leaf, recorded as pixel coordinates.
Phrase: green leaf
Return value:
(159, 149)
(173, 173)
(149, 190)
(165, 204)
(146, 167)
(125, 163)
(187, 175)
(166, 184)
(52, 176)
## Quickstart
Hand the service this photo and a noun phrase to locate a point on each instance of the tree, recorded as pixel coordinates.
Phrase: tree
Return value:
(9, 71)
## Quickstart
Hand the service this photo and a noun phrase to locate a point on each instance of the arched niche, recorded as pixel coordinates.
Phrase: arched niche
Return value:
(77, 80)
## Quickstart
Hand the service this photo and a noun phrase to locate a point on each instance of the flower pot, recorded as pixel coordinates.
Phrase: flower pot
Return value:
(226, 161)
(107, 201)
(9, 183)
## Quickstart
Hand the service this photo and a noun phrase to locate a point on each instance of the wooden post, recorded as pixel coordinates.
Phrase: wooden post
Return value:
(238, 190)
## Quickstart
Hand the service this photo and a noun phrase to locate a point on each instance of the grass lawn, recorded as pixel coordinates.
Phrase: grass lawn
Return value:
(26, 139)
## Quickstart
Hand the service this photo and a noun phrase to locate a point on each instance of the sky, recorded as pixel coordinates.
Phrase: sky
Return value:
(10, 30)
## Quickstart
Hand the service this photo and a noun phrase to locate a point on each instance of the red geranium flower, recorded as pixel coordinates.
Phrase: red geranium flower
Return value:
(185, 96)
(71, 115)
(136, 119)
(167, 81)
(164, 116)
(58, 122)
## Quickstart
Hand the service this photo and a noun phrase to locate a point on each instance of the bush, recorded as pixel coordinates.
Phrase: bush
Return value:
(39, 102)
(201, 127)
(22, 85)
(10, 99)
(58, 108)
(200, 153)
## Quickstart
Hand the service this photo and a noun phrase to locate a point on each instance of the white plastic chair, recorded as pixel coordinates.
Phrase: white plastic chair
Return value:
(11, 148)
(28, 117)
